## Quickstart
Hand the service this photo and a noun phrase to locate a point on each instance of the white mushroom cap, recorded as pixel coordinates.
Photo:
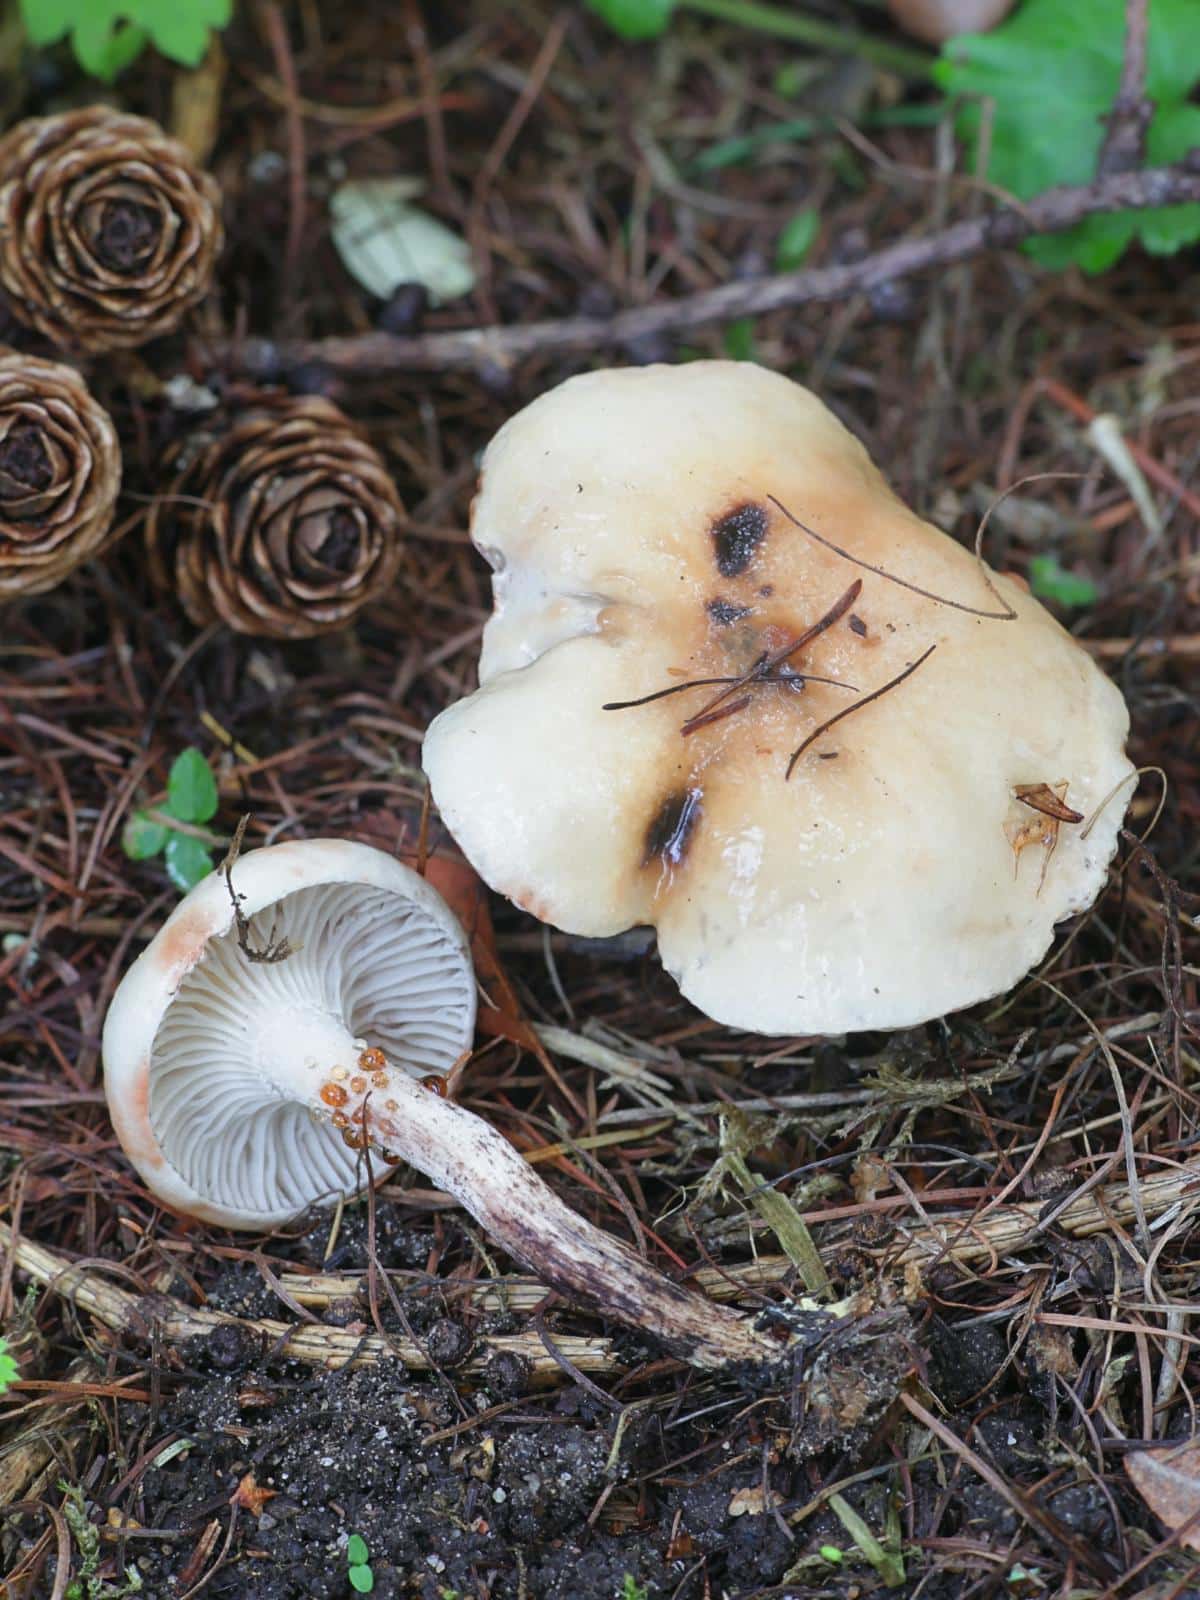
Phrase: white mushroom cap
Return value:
(627, 515)
(213, 1063)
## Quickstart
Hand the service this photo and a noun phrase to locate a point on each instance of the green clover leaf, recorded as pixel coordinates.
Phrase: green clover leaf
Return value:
(191, 787)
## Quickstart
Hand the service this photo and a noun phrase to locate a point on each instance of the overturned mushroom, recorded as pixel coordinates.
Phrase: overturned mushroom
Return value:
(734, 688)
(256, 1046)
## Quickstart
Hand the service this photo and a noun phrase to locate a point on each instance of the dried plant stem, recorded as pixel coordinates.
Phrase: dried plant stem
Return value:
(1124, 147)
(956, 1237)
(476, 348)
(37, 1453)
(950, 1237)
(161, 1316)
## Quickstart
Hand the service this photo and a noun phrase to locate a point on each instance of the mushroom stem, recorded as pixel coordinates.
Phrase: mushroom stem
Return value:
(468, 1158)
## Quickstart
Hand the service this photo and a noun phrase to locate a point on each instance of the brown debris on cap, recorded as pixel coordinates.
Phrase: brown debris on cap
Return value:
(109, 232)
(60, 470)
(283, 522)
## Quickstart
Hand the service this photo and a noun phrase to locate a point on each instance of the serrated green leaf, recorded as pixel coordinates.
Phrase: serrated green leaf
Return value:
(48, 21)
(187, 861)
(635, 19)
(142, 838)
(102, 47)
(107, 35)
(1050, 580)
(362, 1579)
(1051, 73)
(796, 240)
(191, 787)
(357, 1553)
(180, 28)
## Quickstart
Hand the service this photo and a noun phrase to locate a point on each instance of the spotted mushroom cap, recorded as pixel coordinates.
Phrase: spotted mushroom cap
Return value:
(213, 1061)
(897, 873)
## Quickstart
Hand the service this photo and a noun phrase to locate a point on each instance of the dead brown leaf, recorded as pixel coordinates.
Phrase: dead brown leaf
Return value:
(251, 1497)
(1169, 1482)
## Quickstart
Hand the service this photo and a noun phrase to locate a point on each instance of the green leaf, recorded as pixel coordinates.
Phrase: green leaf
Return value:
(142, 838)
(191, 787)
(1051, 72)
(796, 240)
(739, 339)
(103, 49)
(9, 1371)
(180, 28)
(108, 34)
(187, 861)
(635, 19)
(357, 1553)
(48, 21)
(362, 1579)
(1049, 580)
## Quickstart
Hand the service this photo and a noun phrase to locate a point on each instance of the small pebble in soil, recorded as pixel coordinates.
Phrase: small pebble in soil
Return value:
(230, 1348)
(507, 1375)
(447, 1342)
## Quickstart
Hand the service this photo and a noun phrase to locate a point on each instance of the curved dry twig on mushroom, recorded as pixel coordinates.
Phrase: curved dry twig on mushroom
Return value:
(244, 1090)
(823, 714)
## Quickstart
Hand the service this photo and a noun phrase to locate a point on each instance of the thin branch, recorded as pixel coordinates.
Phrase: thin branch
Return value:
(475, 348)
(1124, 147)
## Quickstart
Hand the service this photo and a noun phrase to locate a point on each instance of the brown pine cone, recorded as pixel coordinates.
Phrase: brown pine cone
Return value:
(108, 230)
(60, 470)
(283, 523)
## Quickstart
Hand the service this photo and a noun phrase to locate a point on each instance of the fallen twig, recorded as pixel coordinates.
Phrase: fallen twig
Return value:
(476, 348)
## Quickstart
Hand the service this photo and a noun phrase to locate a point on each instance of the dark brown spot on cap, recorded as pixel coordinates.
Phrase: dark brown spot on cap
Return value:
(724, 612)
(858, 626)
(671, 831)
(737, 536)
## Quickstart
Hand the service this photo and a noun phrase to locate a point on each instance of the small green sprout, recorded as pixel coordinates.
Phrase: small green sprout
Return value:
(631, 1589)
(796, 239)
(831, 1553)
(362, 1579)
(191, 799)
(89, 1585)
(1050, 580)
(9, 1372)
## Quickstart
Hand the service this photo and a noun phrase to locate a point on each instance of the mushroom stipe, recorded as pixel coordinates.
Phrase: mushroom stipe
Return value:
(244, 1091)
